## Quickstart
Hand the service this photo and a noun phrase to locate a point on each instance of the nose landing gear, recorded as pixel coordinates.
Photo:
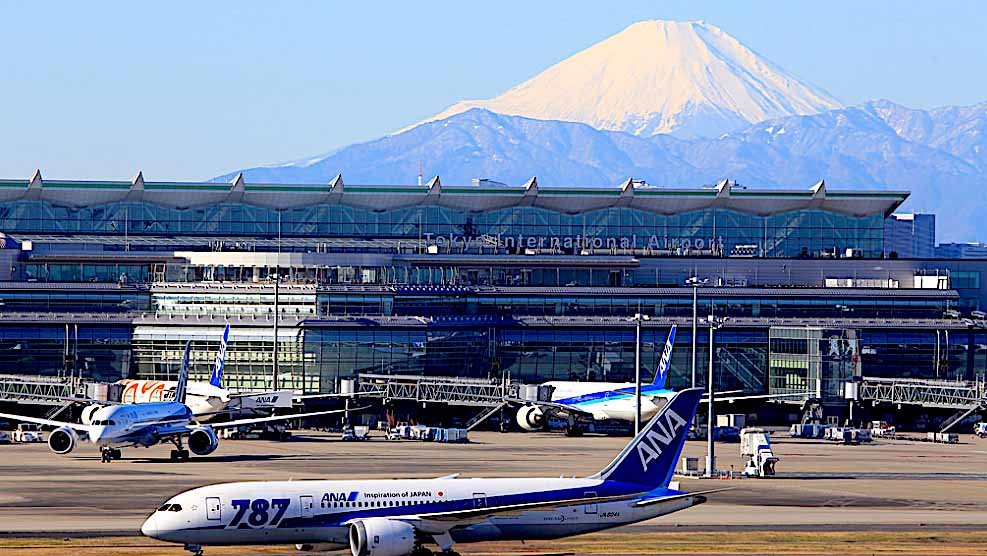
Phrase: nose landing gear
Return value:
(108, 454)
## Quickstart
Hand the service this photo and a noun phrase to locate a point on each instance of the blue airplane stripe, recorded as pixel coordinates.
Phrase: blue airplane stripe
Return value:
(607, 395)
(336, 519)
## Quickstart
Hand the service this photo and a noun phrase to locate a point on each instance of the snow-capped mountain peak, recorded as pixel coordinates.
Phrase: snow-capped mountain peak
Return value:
(686, 78)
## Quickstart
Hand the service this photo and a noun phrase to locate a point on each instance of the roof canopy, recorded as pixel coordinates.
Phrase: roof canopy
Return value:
(570, 200)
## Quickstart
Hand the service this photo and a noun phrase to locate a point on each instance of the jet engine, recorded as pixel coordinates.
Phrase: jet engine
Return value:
(203, 441)
(531, 418)
(379, 536)
(63, 440)
(88, 413)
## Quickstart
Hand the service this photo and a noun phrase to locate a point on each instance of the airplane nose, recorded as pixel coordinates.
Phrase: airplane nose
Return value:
(149, 528)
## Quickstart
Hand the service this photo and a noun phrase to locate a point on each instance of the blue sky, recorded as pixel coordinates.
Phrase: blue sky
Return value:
(192, 90)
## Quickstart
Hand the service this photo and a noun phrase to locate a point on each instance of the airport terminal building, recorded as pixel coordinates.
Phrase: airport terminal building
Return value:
(109, 279)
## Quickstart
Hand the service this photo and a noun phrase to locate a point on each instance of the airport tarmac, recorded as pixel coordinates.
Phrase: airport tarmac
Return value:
(889, 485)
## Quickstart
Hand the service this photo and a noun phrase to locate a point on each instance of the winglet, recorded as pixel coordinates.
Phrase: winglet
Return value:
(182, 385)
(661, 374)
(649, 459)
(217, 371)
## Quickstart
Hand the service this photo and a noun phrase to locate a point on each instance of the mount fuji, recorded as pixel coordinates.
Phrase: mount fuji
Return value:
(685, 78)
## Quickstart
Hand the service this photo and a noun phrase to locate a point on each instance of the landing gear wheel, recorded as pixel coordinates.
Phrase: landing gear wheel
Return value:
(195, 549)
(422, 551)
(117, 454)
(107, 455)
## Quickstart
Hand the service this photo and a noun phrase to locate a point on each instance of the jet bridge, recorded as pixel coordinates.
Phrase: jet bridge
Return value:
(965, 397)
(36, 389)
(475, 392)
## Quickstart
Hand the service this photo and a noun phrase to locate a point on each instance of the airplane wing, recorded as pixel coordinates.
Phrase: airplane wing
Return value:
(652, 500)
(760, 397)
(239, 422)
(47, 422)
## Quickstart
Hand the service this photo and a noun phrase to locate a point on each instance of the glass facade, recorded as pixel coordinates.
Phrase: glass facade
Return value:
(99, 352)
(713, 231)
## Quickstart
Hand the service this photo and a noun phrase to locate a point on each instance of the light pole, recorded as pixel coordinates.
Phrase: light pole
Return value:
(638, 319)
(695, 282)
(714, 324)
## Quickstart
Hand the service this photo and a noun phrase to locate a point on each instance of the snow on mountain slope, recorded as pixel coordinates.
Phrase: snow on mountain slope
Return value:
(686, 78)
(958, 130)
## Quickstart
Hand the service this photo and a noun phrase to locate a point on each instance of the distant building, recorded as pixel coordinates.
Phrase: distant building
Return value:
(910, 236)
(972, 250)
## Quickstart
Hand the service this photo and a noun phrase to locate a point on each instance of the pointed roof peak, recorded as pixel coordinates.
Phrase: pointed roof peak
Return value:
(36, 181)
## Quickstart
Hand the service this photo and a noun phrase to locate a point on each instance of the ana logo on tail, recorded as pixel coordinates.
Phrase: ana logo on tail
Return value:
(217, 370)
(651, 445)
(661, 376)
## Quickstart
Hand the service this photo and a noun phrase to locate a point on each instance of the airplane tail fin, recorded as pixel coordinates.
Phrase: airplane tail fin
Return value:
(182, 385)
(661, 374)
(649, 459)
(217, 371)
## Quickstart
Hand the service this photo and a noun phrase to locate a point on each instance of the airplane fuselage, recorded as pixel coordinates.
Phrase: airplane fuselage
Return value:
(320, 512)
(609, 400)
(135, 424)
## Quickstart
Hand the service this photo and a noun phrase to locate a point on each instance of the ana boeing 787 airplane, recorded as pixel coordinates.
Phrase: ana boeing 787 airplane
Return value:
(398, 517)
(146, 424)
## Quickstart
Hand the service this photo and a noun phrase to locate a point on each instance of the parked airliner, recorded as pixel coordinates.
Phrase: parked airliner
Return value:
(580, 402)
(146, 424)
(575, 401)
(397, 517)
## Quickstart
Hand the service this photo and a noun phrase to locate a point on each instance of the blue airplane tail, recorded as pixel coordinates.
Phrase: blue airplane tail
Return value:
(182, 386)
(649, 459)
(661, 373)
(217, 371)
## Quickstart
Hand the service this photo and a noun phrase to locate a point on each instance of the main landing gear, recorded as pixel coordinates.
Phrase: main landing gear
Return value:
(108, 454)
(195, 549)
(180, 454)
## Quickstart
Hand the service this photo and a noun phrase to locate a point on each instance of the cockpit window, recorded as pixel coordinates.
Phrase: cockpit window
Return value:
(111, 423)
(164, 508)
(175, 508)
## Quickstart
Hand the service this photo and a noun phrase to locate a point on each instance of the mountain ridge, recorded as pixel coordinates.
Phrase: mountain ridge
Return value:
(854, 147)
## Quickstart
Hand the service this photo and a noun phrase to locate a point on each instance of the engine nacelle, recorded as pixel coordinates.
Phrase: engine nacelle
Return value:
(531, 418)
(203, 441)
(379, 536)
(88, 412)
(63, 440)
